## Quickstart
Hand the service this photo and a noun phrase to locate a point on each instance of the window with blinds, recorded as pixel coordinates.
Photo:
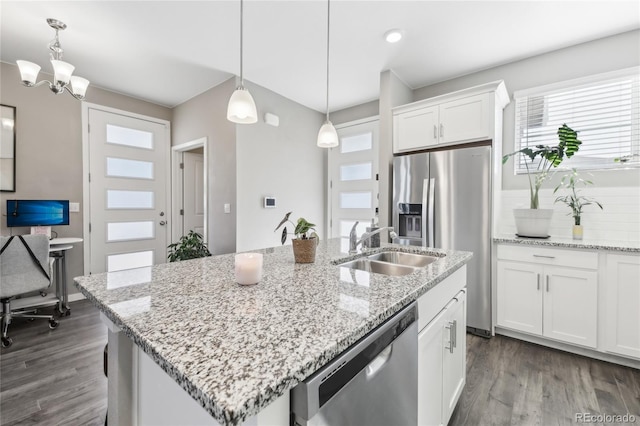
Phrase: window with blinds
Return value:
(603, 109)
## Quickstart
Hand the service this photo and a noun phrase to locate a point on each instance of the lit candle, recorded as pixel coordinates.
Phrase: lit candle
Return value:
(248, 268)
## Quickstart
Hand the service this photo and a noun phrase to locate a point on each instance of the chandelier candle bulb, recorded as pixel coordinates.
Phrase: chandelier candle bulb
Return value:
(248, 268)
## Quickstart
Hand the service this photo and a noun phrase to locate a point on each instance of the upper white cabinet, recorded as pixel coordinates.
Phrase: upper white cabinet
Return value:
(465, 116)
(549, 292)
(622, 305)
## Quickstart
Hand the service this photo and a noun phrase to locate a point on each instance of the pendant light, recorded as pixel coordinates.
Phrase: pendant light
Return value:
(63, 79)
(242, 107)
(327, 136)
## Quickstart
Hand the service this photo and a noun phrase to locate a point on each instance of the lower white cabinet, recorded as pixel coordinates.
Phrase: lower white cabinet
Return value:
(548, 292)
(622, 305)
(442, 363)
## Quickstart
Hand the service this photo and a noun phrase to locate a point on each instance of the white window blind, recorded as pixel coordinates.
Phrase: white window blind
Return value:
(603, 109)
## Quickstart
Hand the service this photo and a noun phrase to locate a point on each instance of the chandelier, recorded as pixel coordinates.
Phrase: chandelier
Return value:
(62, 71)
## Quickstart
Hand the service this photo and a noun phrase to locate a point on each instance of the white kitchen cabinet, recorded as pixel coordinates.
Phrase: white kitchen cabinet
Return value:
(622, 305)
(416, 129)
(442, 363)
(548, 292)
(468, 115)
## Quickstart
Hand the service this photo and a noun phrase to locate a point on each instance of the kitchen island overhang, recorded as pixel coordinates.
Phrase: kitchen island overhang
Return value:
(236, 349)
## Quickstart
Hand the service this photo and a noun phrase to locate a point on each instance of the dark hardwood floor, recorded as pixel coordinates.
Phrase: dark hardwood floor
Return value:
(511, 382)
(55, 378)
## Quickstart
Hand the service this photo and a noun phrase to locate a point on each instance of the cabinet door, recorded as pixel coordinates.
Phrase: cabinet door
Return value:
(416, 129)
(454, 356)
(430, 372)
(571, 305)
(622, 305)
(467, 119)
(519, 296)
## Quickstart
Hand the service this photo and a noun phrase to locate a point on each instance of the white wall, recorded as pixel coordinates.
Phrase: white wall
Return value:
(206, 115)
(599, 56)
(283, 162)
(618, 221)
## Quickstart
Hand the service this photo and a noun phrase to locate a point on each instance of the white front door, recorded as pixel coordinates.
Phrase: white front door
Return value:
(128, 182)
(353, 169)
(193, 193)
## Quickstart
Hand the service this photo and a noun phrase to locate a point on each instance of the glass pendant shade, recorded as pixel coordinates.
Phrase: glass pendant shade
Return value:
(79, 86)
(62, 71)
(327, 136)
(242, 107)
(28, 72)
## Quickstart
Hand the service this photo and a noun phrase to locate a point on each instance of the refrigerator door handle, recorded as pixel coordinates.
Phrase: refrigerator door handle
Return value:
(428, 208)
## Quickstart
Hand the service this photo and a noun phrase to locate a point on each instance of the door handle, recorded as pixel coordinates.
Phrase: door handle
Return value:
(162, 223)
(450, 325)
(546, 257)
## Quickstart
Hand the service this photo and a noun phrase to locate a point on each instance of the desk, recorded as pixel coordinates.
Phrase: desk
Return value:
(57, 249)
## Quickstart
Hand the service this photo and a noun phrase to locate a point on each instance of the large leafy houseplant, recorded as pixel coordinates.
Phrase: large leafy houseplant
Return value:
(574, 200)
(304, 245)
(190, 246)
(549, 157)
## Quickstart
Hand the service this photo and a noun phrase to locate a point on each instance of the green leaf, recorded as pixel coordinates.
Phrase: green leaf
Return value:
(284, 220)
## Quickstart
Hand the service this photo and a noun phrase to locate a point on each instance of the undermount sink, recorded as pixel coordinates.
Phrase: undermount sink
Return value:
(379, 267)
(400, 258)
(393, 263)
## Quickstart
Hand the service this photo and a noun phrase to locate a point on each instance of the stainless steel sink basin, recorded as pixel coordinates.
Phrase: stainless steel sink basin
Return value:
(400, 258)
(379, 267)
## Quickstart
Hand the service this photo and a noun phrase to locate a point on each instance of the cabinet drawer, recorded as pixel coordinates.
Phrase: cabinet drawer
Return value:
(549, 256)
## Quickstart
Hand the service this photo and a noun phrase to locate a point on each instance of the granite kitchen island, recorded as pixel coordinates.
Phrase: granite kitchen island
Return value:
(235, 350)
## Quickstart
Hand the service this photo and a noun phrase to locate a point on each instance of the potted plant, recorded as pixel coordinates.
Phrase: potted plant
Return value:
(190, 246)
(574, 200)
(534, 221)
(304, 245)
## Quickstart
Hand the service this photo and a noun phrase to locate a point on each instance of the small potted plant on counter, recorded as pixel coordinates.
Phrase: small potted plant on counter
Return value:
(574, 200)
(304, 245)
(534, 221)
(190, 246)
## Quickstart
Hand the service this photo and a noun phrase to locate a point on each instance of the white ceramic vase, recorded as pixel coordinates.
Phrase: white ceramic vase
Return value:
(533, 222)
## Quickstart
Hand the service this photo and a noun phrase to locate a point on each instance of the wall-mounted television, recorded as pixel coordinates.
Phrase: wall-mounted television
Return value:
(37, 212)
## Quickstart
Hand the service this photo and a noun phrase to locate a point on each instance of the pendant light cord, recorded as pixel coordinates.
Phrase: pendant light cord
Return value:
(241, 16)
(328, 20)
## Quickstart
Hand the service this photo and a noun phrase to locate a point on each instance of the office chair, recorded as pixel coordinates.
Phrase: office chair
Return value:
(25, 267)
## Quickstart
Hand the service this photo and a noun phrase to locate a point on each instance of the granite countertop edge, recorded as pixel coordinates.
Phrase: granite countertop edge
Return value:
(264, 397)
(622, 246)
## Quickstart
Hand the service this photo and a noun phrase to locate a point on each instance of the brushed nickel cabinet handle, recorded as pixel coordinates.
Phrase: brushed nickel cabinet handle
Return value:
(441, 130)
(435, 131)
(547, 283)
(538, 281)
(546, 257)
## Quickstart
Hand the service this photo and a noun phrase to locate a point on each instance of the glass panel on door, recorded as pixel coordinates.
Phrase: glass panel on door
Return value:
(129, 137)
(118, 199)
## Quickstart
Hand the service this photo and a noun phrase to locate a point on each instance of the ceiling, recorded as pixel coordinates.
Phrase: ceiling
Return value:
(167, 52)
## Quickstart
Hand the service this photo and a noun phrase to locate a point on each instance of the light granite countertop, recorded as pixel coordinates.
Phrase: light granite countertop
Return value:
(235, 349)
(590, 244)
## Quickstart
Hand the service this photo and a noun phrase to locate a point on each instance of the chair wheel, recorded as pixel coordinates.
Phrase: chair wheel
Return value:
(6, 342)
(53, 324)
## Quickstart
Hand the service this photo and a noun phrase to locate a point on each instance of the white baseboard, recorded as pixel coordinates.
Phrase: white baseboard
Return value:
(591, 353)
(74, 297)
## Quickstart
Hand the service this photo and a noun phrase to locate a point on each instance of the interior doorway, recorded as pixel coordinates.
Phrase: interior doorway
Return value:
(189, 188)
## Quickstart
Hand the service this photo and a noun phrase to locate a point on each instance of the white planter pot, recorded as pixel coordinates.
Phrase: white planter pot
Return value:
(533, 222)
(578, 231)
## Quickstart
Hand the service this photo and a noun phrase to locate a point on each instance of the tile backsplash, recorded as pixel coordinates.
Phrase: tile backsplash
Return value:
(618, 221)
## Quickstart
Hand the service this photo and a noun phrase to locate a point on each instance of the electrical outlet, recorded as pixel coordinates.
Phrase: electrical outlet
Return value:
(74, 207)
(227, 208)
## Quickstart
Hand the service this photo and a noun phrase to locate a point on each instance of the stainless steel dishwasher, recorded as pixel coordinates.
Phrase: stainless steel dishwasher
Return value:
(374, 382)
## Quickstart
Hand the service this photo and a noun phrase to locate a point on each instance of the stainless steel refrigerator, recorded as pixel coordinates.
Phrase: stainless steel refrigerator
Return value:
(443, 199)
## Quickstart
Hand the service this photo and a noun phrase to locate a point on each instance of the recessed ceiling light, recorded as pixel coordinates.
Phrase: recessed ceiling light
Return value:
(393, 36)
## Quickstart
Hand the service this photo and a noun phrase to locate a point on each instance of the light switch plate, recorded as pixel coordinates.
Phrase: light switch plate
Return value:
(74, 207)
(227, 208)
